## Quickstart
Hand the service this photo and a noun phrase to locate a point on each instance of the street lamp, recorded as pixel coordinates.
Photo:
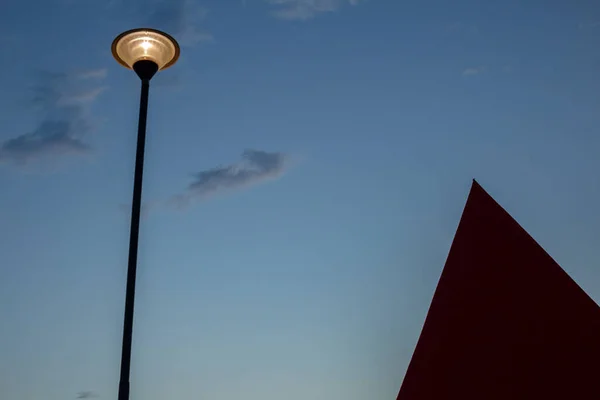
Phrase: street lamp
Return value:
(145, 51)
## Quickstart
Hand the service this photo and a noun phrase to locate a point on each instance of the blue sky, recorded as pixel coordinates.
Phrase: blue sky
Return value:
(324, 150)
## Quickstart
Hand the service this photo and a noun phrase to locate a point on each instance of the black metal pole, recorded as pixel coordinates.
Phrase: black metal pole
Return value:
(133, 244)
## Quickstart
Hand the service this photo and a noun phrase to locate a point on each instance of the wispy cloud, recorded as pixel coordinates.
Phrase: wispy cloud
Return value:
(86, 395)
(92, 73)
(63, 102)
(255, 167)
(180, 18)
(473, 71)
(51, 138)
(589, 25)
(306, 9)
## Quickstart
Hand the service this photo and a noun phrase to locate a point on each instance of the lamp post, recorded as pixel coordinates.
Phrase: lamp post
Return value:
(146, 51)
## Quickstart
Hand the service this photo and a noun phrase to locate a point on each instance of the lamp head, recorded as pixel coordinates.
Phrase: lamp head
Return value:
(145, 50)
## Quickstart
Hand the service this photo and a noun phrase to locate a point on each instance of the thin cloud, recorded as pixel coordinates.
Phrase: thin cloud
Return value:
(80, 97)
(63, 101)
(473, 71)
(589, 25)
(255, 167)
(306, 9)
(86, 395)
(180, 18)
(92, 74)
(56, 90)
(51, 138)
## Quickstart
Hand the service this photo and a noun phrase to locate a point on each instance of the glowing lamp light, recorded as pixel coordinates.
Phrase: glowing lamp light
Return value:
(145, 44)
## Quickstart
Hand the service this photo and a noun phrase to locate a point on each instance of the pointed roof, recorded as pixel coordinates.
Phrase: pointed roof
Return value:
(506, 321)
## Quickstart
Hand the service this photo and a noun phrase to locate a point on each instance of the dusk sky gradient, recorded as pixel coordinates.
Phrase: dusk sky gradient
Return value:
(307, 163)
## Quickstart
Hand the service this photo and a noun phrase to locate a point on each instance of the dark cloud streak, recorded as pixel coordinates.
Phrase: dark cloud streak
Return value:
(255, 167)
(51, 138)
(63, 100)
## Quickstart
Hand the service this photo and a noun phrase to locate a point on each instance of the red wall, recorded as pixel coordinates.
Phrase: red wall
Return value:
(506, 322)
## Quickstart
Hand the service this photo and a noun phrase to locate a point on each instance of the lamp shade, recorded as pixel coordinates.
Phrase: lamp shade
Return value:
(145, 44)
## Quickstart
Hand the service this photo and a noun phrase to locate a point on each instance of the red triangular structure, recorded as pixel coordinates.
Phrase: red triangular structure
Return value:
(506, 322)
